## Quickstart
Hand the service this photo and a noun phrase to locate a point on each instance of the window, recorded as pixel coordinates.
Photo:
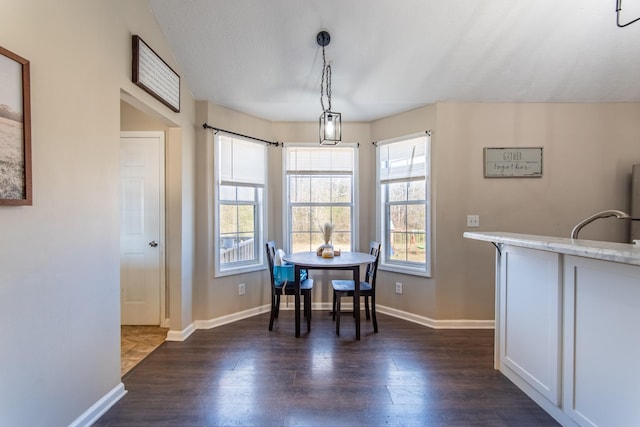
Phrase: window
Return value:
(239, 170)
(404, 208)
(319, 188)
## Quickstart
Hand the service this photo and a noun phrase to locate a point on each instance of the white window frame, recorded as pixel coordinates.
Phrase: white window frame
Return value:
(260, 205)
(286, 206)
(382, 219)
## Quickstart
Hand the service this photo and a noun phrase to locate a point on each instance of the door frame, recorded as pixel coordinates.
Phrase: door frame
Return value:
(164, 320)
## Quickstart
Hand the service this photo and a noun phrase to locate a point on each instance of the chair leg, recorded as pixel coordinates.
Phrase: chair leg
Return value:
(373, 314)
(273, 310)
(277, 308)
(366, 306)
(338, 297)
(305, 313)
(307, 308)
(334, 306)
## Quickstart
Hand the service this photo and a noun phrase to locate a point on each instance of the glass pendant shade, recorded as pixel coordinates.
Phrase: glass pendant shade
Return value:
(330, 128)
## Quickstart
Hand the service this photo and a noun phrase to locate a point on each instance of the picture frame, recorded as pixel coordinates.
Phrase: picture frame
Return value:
(513, 162)
(15, 130)
(151, 73)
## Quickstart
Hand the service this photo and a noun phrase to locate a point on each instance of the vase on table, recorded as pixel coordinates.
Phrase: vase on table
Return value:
(326, 250)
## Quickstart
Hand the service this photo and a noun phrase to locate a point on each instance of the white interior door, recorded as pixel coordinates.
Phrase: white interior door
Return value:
(141, 225)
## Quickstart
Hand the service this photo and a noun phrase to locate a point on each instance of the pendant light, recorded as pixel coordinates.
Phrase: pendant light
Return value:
(330, 121)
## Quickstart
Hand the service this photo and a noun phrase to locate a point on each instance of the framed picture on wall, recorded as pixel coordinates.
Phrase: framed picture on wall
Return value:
(15, 130)
(152, 74)
(513, 162)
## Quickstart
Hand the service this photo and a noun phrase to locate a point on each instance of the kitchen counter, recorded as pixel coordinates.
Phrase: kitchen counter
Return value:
(567, 315)
(607, 251)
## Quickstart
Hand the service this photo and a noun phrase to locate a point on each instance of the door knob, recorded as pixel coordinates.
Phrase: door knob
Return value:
(153, 243)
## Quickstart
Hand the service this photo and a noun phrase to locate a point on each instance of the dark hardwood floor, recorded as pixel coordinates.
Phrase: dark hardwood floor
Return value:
(243, 375)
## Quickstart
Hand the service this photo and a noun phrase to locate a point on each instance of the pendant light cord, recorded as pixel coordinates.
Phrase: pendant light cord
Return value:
(326, 76)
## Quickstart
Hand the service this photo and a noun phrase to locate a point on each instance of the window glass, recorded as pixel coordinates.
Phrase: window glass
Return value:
(341, 189)
(320, 183)
(227, 192)
(403, 176)
(246, 194)
(300, 188)
(321, 189)
(239, 168)
(417, 190)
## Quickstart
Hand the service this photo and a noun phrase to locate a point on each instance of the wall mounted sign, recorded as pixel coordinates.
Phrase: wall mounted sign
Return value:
(15, 130)
(513, 162)
(152, 74)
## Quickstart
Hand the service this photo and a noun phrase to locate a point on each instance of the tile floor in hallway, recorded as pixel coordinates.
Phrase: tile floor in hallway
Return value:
(137, 342)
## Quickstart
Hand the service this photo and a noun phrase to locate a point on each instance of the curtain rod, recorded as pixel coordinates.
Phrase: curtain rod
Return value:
(428, 132)
(206, 126)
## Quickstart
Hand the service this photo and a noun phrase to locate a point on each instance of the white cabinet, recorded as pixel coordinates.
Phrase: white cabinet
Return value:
(530, 318)
(601, 342)
(568, 325)
(569, 334)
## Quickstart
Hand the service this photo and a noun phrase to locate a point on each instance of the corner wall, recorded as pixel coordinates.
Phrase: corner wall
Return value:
(59, 259)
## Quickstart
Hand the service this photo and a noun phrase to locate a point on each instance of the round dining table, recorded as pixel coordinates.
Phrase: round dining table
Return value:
(345, 261)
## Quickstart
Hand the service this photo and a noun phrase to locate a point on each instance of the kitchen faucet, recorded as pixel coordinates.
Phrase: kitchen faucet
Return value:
(604, 214)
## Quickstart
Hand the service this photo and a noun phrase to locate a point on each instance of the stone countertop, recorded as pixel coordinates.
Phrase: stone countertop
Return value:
(607, 251)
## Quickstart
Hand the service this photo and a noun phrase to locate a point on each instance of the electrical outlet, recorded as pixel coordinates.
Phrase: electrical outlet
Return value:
(398, 288)
(473, 220)
(241, 289)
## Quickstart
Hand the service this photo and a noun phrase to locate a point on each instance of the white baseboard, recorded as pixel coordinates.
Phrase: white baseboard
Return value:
(181, 335)
(230, 318)
(98, 409)
(327, 306)
(414, 318)
(218, 321)
(437, 324)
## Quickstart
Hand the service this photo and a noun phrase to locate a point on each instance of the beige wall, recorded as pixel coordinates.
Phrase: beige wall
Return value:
(59, 259)
(217, 297)
(588, 153)
(132, 119)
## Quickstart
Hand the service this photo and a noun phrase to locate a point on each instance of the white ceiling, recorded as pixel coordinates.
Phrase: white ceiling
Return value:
(261, 57)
